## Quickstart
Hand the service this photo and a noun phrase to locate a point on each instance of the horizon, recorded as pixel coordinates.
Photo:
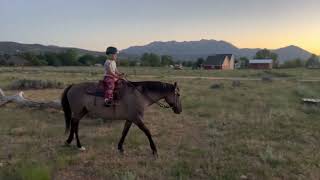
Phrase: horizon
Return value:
(86, 25)
(159, 41)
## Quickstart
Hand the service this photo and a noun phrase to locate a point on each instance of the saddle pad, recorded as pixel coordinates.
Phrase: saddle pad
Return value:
(95, 91)
(98, 90)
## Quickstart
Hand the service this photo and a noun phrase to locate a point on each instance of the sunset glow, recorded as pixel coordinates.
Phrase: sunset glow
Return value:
(97, 24)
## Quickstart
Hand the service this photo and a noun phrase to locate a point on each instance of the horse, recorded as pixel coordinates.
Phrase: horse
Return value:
(135, 98)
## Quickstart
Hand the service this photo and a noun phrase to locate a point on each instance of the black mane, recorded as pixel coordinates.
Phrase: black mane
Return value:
(154, 86)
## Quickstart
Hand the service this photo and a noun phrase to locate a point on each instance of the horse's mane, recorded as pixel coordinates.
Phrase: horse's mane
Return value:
(154, 86)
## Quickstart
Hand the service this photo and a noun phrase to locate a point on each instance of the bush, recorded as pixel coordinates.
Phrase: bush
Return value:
(35, 84)
(34, 59)
(293, 64)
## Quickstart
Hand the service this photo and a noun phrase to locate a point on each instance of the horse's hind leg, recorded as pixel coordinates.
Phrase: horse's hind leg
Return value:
(126, 128)
(71, 135)
(77, 136)
(76, 125)
(75, 128)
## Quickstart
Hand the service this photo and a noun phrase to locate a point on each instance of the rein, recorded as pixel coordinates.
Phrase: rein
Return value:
(162, 105)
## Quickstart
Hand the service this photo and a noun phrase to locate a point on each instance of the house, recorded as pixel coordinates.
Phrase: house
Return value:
(260, 64)
(219, 61)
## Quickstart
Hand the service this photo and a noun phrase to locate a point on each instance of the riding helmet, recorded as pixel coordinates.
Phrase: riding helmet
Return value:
(111, 50)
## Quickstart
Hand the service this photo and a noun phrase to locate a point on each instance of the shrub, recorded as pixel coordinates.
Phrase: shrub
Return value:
(35, 84)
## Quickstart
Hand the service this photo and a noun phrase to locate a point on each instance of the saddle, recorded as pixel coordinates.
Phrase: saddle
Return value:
(97, 90)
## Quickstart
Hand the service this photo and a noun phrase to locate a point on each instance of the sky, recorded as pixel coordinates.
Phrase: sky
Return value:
(96, 24)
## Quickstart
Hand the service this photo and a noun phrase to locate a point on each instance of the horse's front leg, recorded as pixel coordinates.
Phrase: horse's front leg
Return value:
(141, 125)
(126, 128)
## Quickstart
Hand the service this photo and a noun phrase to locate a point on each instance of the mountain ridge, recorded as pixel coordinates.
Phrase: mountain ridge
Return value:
(183, 50)
(190, 50)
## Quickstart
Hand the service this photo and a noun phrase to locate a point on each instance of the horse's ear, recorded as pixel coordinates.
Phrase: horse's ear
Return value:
(175, 84)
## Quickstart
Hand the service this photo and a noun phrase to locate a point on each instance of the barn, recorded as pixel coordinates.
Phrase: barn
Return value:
(219, 61)
(260, 64)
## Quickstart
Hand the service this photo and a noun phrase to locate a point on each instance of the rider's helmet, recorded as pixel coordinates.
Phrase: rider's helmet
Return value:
(111, 50)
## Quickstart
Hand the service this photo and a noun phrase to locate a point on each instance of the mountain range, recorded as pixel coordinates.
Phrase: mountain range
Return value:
(186, 50)
(191, 50)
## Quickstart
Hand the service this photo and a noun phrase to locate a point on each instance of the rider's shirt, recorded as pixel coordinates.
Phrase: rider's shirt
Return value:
(111, 66)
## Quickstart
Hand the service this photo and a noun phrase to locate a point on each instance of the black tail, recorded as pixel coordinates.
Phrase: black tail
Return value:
(66, 108)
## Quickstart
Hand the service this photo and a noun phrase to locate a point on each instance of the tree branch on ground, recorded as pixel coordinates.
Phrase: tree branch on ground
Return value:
(20, 100)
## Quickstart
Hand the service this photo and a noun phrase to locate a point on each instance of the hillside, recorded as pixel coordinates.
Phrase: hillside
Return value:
(14, 47)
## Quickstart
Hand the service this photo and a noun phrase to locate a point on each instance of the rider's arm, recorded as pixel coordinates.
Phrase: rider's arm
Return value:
(118, 72)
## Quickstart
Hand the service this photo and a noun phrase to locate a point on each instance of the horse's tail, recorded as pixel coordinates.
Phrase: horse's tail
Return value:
(66, 108)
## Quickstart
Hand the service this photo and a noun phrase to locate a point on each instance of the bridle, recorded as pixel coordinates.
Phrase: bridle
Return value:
(162, 105)
(176, 95)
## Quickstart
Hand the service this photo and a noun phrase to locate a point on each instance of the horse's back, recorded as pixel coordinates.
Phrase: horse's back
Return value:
(80, 99)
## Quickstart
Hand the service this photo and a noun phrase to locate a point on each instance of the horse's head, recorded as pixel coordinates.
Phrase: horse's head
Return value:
(173, 99)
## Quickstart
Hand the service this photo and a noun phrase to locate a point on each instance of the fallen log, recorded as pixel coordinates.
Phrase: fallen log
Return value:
(311, 101)
(20, 100)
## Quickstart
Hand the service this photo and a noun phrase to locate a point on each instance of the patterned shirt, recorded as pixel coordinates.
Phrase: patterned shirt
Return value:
(111, 66)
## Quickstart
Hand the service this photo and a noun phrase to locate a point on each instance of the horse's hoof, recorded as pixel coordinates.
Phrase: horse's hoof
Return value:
(66, 144)
(121, 151)
(155, 154)
(82, 148)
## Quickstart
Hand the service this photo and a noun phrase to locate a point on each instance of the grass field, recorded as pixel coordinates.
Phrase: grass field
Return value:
(259, 130)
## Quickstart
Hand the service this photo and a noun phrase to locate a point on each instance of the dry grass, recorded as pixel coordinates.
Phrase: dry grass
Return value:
(258, 130)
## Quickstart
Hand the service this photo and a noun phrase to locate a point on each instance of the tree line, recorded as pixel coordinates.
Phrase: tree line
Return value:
(312, 61)
(67, 58)
(72, 58)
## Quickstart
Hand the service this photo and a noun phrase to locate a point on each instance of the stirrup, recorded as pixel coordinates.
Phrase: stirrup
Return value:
(108, 103)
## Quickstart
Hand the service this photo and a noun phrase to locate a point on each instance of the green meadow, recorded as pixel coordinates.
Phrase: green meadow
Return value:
(257, 130)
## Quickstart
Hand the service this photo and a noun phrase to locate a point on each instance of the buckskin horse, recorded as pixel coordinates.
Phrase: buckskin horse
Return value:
(135, 98)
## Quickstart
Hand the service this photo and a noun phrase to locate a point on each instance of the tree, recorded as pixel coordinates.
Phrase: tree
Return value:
(187, 63)
(293, 63)
(124, 62)
(145, 59)
(100, 59)
(313, 62)
(267, 54)
(244, 62)
(87, 60)
(166, 60)
(150, 59)
(199, 62)
(3, 62)
(132, 63)
(34, 59)
(7, 56)
(69, 58)
(52, 59)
